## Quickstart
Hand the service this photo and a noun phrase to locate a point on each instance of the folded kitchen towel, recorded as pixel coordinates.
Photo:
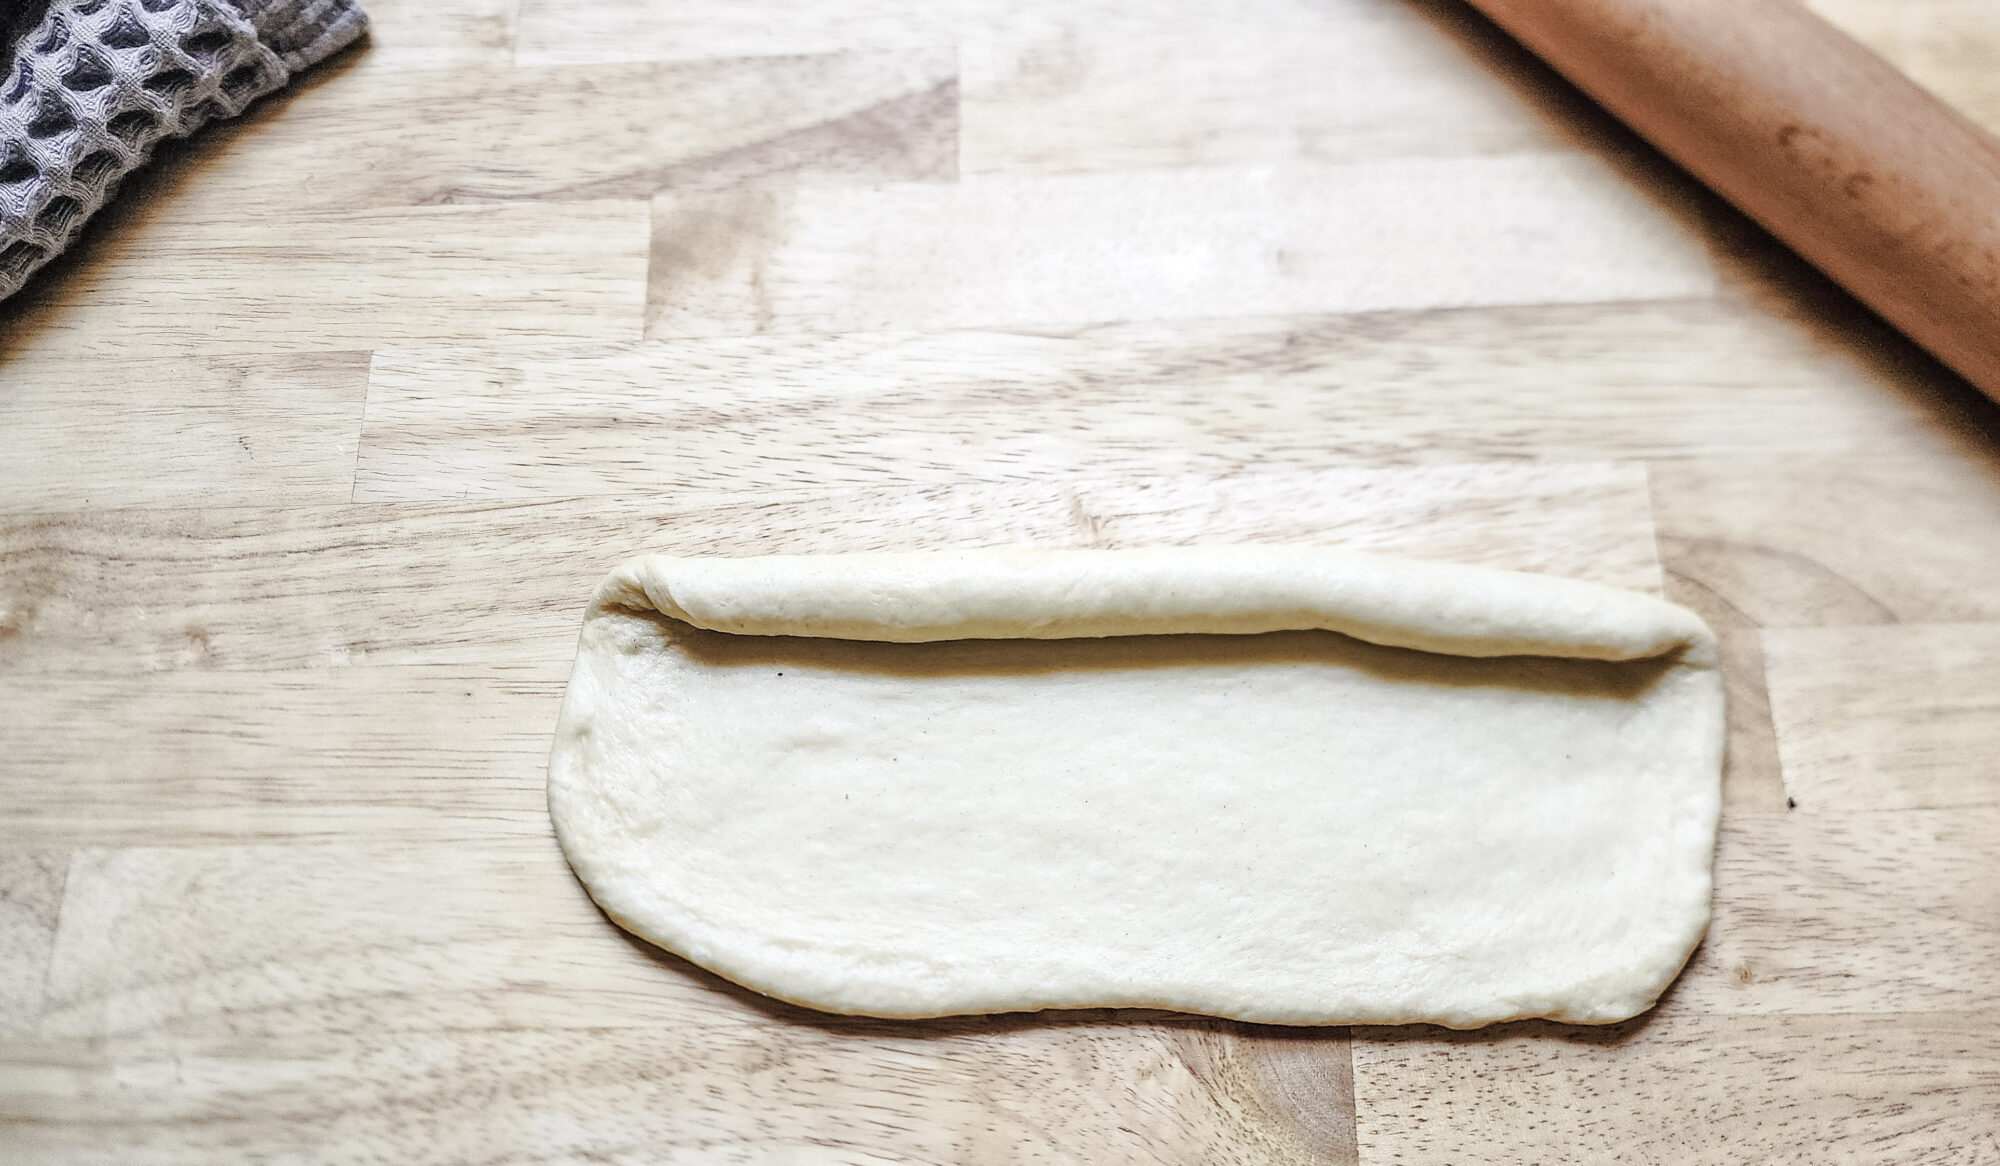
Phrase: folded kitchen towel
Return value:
(91, 86)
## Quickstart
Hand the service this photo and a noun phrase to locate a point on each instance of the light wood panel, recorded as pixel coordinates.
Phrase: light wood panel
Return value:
(255, 940)
(1114, 1092)
(487, 972)
(1888, 718)
(1825, 914)
(505, 583)
(1752, 777)
(31, 893)
(336, 281)
(1102, 85)
(429, 34)
(91, 433)
(1555, 227)
(1684, 1088)
(200, 755)
(1779, 543)
(1573, 382)
(582, 132)
(555, 32)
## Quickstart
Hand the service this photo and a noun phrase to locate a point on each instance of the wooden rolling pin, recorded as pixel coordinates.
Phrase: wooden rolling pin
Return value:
(1882, 186)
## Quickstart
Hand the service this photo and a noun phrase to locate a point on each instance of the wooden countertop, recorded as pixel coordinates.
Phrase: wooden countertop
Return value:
(311, 454)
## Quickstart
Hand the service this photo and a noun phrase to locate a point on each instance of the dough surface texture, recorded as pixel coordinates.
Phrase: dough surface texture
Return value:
(1283, 784)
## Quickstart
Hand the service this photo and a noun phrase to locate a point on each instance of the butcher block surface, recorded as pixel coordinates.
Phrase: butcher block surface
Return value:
(312, 451)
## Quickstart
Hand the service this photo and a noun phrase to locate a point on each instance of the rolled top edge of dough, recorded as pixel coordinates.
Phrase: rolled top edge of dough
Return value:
(1019, 593)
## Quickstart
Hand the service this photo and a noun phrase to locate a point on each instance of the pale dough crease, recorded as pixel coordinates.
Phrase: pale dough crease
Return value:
(1284, 784)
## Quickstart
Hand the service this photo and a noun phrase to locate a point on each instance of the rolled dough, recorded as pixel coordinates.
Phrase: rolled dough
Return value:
(1281, 784)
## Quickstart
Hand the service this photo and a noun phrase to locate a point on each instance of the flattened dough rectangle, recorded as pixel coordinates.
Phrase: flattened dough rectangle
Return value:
(1280, 784)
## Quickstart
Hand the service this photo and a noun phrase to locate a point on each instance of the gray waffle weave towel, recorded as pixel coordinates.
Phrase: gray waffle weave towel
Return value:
(91, 86)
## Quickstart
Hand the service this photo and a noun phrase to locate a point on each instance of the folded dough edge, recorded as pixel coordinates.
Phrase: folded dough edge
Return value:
(1017, 593)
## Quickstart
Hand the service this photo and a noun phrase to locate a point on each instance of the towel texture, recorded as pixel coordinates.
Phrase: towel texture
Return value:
(92, 86)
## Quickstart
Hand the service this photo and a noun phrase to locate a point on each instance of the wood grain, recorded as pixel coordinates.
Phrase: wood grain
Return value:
(1752, 776)
(1554, 228)
(1113, 1091)
(78, 434)
(200, 755)
(488, 973)
(1572, 382)
(31, 895)
(430, 34)
(312, 451)
(1825, 914)
(354, 279)
(1105, 85)
(1888, 718)
(256, 940)
(554, 32)
(505, 583)
(1684, 1089)
(582, 133)
(1777, 543)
